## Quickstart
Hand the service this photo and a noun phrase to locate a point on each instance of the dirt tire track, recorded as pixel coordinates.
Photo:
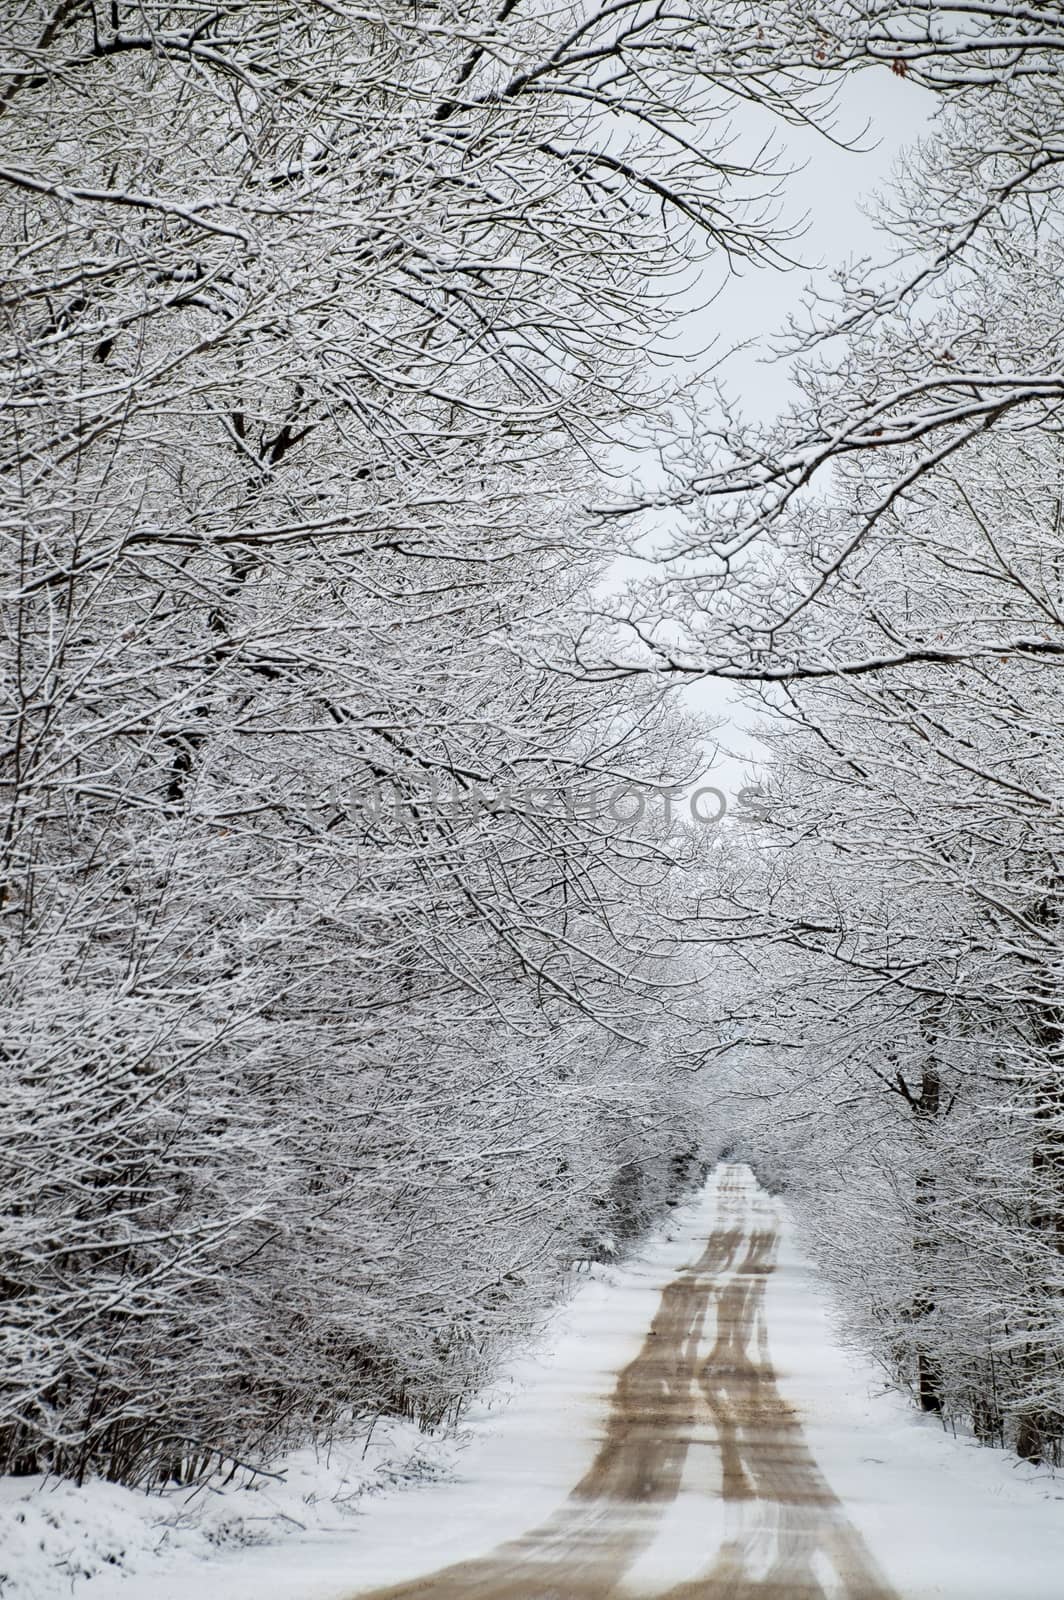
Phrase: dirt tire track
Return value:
(784, 1521)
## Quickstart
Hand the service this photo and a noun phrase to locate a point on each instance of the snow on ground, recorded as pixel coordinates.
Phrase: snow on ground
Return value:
(319, 1534)
(56, 1537)
(945, 1519)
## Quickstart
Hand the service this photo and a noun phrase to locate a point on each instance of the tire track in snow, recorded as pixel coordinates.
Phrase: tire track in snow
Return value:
(787, 1536)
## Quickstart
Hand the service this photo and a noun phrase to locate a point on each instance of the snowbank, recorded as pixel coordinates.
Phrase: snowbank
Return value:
(55, 1537)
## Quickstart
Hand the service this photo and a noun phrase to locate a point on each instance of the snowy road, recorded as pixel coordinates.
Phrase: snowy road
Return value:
(703, 1382)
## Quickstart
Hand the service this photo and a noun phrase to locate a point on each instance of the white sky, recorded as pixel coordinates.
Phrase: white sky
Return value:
(828, 193)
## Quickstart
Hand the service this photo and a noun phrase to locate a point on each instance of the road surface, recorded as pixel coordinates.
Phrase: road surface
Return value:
(702, 1382)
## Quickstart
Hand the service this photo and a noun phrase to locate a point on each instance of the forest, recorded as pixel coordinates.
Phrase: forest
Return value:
(362, 540)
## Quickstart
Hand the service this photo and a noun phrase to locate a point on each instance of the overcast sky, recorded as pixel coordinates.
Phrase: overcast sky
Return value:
(828, 193)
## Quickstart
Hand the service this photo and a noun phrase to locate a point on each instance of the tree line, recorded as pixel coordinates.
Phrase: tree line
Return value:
(322, 326)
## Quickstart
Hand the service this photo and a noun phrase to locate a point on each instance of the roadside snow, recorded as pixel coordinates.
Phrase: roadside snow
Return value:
(55, 1537)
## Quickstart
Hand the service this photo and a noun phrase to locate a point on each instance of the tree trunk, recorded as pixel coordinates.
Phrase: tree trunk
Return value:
(926, 1106)
(1041, 1425)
